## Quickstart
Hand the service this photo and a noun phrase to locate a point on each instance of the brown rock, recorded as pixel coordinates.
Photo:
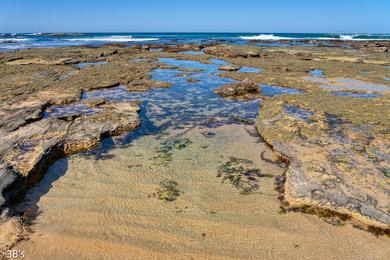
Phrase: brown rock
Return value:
(234, 51)
(238, 89)
(145, 84)
(329, 173)
(94, 102)
(230, 68)
(192, 80)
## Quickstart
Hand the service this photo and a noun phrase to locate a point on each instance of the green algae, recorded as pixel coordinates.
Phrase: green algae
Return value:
(167, 190)
(241, 174)
(165, 150)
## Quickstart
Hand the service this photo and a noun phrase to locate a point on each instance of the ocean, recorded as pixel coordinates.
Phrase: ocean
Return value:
(14, 41)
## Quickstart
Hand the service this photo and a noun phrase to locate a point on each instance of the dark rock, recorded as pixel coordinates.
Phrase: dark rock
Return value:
(21, 117)
(10, 41)
(7, 177)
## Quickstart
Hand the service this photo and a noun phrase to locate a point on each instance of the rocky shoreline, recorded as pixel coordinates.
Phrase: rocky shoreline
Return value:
(372, 46)
(325, 160)
(35, 81)
(338, 160)
(325, 138)
(30, 141)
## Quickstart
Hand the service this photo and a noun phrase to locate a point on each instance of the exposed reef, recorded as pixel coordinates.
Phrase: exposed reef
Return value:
(243, 89)
(335, 164)
(337, 145)
(32, 83)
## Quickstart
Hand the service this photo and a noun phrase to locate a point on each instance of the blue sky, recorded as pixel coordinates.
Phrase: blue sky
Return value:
(195, 16)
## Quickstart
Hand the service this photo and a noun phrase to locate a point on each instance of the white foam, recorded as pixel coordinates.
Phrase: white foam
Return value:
(347, 37)
(113, 39)
(341, 37)
(265, 37)
(14, 39)
(323, 38)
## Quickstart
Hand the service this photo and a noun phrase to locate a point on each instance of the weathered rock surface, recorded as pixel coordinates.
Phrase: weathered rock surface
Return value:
(230, 68)
(371, 46)
(26, 152)
(239, 89)
(31, 82)
(145, 84)
(234, 51)
(52, 76)
(28, 148)
(170, 48)
(335, 166)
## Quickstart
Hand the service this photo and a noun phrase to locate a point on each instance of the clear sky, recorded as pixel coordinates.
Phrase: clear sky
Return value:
(195, 16)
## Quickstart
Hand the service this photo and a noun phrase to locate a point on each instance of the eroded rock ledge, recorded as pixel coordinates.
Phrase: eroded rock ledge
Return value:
(335, 166)
(31, 82)
(34, 80)
(27, 152)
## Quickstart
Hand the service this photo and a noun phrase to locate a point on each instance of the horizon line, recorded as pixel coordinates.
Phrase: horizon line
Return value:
(200, 32)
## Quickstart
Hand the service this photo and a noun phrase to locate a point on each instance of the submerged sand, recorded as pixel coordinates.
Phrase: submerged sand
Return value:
(104, 209)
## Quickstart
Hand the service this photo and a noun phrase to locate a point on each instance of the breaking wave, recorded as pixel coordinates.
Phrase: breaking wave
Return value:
(14, 40)
(348, 37)
(265, 37)
(304, 36)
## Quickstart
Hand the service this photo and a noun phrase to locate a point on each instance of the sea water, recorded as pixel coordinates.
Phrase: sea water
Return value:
(12, 41)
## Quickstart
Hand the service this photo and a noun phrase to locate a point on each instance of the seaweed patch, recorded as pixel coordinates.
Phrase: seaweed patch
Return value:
(242, 174)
